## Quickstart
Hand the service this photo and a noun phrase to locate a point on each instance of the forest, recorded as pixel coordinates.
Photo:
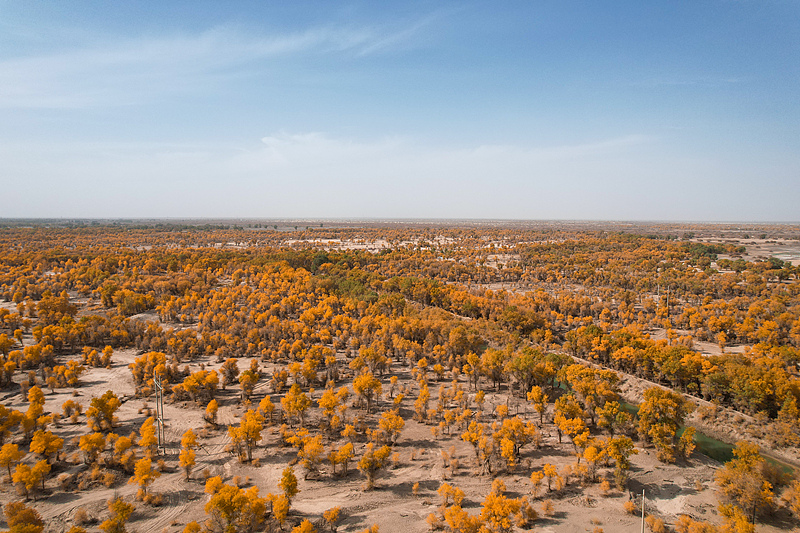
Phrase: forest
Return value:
(460, 377)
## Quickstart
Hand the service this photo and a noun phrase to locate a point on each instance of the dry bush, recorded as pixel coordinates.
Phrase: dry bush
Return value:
(630, 507)
(547, 508)
(415, 489)
(109, 479)
(206, 474)
(161, 465)
(154, 499)
(656, 525)
(605, 487)
(65, 481)
(707, 411)
(81, 517)
(256, 462)
(698, 486)
(237, 481)
(454, 464)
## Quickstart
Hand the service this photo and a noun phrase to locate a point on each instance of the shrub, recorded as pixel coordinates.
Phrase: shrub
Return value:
(656, 525)
(82, 517)
(547, 508)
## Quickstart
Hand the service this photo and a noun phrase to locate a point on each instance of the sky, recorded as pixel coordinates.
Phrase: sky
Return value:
(578, 110)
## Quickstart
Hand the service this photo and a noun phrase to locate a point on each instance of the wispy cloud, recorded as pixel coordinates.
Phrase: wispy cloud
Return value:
(129, 71)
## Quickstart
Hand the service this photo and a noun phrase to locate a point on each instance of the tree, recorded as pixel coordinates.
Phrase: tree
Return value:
(660, 416)
(46, 444)
(100, 413)
(229, 371)
(536, 481)
(9, 455)
(493, 365)
(266, 408)
(72, 410)
(368, 387)
(613, 417)
(211, 412)
(248, 380)
(28, 477)
(342, 456)
(620, 449)
(144, 475)
(187, 455)
(92, 445)
(232, 509)
(391, 424)
(311, 453)
(120, 513)
(329, 402)
(23, 519)
(569, 417)
(246, 436)
(288, 484)
(511, 436)
(498, 511)
(421, 403)
(539, 400)
(372, 461)
(147, 436)
(124, 454)
(280, 508)
(40, 470)
(295, 403)
(743, 483)
(9, 418)
(331, 516)
(35, 403)
(792, 497)
(550, 473)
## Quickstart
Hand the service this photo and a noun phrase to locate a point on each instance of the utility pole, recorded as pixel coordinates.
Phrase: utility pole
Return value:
(642, 510)
(160, 413)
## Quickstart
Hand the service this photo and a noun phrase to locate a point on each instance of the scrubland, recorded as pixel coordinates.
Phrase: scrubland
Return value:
(398, 377)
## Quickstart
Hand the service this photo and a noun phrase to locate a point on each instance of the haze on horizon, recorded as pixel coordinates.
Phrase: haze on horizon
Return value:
(574, 110)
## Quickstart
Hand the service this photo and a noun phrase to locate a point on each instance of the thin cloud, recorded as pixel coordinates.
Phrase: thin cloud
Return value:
(389, 40)
(126, 72)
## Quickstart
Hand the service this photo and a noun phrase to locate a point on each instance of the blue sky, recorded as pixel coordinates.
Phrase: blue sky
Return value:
(611, 110)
